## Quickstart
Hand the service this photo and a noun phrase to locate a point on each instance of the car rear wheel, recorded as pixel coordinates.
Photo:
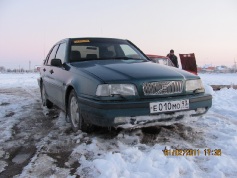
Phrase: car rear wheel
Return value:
(75, 115)
(45, 101)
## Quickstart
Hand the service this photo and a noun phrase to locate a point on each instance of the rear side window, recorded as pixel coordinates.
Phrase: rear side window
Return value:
(52, 54)
(61, 52)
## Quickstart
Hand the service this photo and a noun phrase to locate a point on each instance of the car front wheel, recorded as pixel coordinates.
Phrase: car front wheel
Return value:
(75, 115)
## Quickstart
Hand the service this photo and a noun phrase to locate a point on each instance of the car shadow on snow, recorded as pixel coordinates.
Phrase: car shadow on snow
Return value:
(174, 134)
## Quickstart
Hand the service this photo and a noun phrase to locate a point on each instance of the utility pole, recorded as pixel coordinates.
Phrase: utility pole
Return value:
(29, 66)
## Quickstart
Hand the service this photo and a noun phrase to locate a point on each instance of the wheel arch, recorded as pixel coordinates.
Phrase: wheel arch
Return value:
(71, 85)
(67, 93)
(40, 83)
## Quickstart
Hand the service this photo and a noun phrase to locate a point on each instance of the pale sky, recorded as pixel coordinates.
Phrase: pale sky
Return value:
(208, 28)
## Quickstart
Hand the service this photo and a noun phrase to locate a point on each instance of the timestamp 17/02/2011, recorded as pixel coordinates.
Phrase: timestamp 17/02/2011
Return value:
(192, 152)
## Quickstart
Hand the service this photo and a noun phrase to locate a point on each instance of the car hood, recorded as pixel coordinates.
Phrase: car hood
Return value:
(127, 70)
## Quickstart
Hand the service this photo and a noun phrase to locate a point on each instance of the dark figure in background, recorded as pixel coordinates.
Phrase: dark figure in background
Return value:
(173, 58)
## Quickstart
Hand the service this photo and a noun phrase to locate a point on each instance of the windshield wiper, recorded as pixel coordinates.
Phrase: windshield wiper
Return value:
(85, 59)
(124, 58)
(127, 58)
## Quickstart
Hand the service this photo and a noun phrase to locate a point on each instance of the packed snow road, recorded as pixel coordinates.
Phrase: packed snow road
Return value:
(37, 142)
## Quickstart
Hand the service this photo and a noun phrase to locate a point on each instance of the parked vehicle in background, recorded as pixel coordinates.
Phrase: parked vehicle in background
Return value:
(188, 62)
(37, 68)
(160, 59)
(111, 83)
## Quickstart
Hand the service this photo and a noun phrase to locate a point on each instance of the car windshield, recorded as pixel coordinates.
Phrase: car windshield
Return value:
(103, 49)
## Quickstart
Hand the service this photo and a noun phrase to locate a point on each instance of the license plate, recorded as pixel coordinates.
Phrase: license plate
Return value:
(169, 106)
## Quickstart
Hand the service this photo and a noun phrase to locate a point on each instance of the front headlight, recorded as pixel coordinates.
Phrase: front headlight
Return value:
(116, 89)
(194, 85)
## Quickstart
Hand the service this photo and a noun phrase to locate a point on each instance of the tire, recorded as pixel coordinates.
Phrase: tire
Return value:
(45, 101)
(75, 115)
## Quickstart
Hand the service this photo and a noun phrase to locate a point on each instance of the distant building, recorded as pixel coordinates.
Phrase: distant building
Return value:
(210, 69)
(222, 69)
(199, 69)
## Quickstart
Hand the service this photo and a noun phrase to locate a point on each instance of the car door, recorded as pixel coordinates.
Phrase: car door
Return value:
(59, 76)
(48, 80)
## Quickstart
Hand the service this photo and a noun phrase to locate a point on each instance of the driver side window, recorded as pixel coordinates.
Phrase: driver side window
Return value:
(61, 52)
(52, 54)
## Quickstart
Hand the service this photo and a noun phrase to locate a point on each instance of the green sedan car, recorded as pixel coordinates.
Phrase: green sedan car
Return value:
(111, 83)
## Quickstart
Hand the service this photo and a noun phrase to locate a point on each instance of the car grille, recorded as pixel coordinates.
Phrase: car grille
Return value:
(161, 88)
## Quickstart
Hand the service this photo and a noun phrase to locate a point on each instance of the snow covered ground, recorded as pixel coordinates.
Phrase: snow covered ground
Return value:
(219, 78)
(36, 142)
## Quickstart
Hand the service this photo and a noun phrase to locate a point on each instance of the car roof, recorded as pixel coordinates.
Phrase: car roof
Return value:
(99, 38)
(90, 38)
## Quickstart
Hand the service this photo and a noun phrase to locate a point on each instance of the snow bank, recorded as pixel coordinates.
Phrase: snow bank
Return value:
(219, 78)
(22, 80)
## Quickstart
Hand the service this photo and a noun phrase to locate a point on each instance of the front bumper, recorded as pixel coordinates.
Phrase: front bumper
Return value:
(131, 113)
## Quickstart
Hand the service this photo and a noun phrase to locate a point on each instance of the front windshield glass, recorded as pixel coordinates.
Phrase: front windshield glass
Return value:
(102, 49)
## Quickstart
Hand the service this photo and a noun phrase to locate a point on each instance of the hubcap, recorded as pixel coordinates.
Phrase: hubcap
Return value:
(74, 111)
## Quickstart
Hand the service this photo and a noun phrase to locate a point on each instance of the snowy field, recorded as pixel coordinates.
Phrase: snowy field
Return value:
(37, 142)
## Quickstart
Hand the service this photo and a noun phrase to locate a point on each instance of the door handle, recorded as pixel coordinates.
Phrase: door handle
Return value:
(44, 69)
(51, 71)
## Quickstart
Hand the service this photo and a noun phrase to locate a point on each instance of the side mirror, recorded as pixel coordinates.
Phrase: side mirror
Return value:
(56, 62)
